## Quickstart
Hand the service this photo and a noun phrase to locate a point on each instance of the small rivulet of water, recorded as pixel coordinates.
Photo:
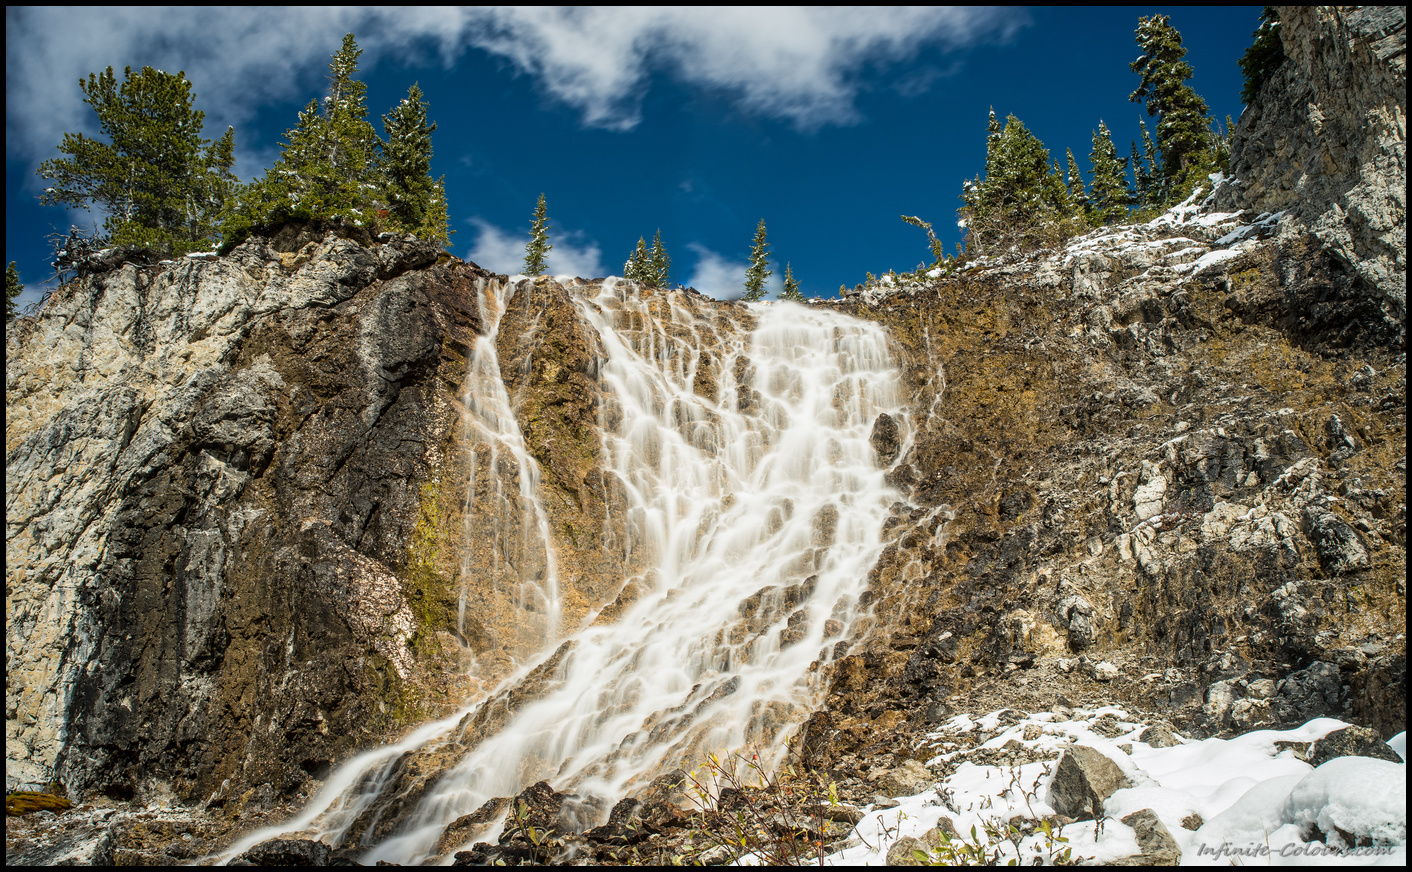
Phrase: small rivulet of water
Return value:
(754, 508)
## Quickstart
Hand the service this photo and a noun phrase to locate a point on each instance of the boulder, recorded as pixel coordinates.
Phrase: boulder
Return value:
(1158, 846)
(1084, 779)
(1351, 742)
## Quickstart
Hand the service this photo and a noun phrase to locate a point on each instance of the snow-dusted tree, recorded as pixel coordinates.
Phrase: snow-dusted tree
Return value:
(658, 263)
(1109, 199)
(759, 271)
(635, 267)
(436, 224)
(1182, 123)
(406, 167)
(161, 184)
(328, 169)
(13, 289)
(1022, 198)
(791, 287)
(938, 253)
(1075, 182)
(538, 247)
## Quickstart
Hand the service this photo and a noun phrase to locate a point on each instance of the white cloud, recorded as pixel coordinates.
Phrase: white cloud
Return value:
(503, 251)
(719, 277)
(801, 65)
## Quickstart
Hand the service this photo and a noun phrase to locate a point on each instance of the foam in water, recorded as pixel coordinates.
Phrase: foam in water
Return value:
(754, 510)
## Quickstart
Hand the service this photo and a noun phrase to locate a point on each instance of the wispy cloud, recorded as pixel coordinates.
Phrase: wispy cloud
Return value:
(503, 251)
(800, 65)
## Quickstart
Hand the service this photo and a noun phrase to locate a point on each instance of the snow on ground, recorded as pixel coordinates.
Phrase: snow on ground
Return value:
(1251, 799)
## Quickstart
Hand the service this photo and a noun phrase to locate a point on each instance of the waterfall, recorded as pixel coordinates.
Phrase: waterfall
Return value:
(753, 511)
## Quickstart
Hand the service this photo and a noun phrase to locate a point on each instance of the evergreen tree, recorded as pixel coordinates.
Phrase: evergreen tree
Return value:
(162, 185)
(935, 244)
(1262, 58)
(658, 263)
(538, 248)
(329, 164)
(406, 165)
(1182, 125)
(791, 287)
(759, 271)
(1075, 183)
(436, 225)
(1110, 179)
(1021, 192)
(13, 289)
(636, 266)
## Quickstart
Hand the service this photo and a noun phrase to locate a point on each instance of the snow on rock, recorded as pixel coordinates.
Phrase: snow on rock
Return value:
(1249, 799)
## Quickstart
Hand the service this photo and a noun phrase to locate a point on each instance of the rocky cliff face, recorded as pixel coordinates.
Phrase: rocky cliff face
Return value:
(214, 469)
(1326, 141)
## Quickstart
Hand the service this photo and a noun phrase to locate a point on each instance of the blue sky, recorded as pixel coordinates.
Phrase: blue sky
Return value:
(828, 124)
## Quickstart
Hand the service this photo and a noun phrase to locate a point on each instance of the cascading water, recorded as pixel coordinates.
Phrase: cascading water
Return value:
(754, 505)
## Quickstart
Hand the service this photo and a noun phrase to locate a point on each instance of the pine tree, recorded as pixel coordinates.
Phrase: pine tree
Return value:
(1021, 194)
(406, 163)
(1182, 125)
(759, 271)
(636, 266)
(1110, 179)
(658, 263)
(436, 224)
(1264, 56)
(1075, 182)
(13, 289)
(538, 248)
(161, 184)
(329, 164)
(791, 287)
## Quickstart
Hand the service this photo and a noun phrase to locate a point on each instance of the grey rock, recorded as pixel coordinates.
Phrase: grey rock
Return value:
(1340, 548)
(1326, 140)
(886, 439)
(1316, 691)
(1351, 742)
(1160, 736)
(901, 852)
(286, 852)
(1158, 846)
(905, 779)
(1084, 779)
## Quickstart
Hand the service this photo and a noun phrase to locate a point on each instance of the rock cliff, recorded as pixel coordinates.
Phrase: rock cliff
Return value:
(1326, 141)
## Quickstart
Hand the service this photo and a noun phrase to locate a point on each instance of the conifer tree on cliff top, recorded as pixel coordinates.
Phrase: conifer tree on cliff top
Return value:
(538, 248)
(406, 169)
(1109, 198)
(13, 289)
(1021, 192)
(791, 287)
(1183, 134)
(659, 264)
(759, 271)
(162, 185)
(635, 268)
(333, 167)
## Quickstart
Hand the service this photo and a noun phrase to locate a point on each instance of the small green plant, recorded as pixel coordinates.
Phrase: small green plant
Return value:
(781, 818)
(535, 838)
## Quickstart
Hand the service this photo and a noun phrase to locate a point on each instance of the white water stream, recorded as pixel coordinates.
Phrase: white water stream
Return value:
(758, 528)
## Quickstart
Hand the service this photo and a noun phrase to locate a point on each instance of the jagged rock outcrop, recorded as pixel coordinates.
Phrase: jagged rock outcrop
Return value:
(1326, 140)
